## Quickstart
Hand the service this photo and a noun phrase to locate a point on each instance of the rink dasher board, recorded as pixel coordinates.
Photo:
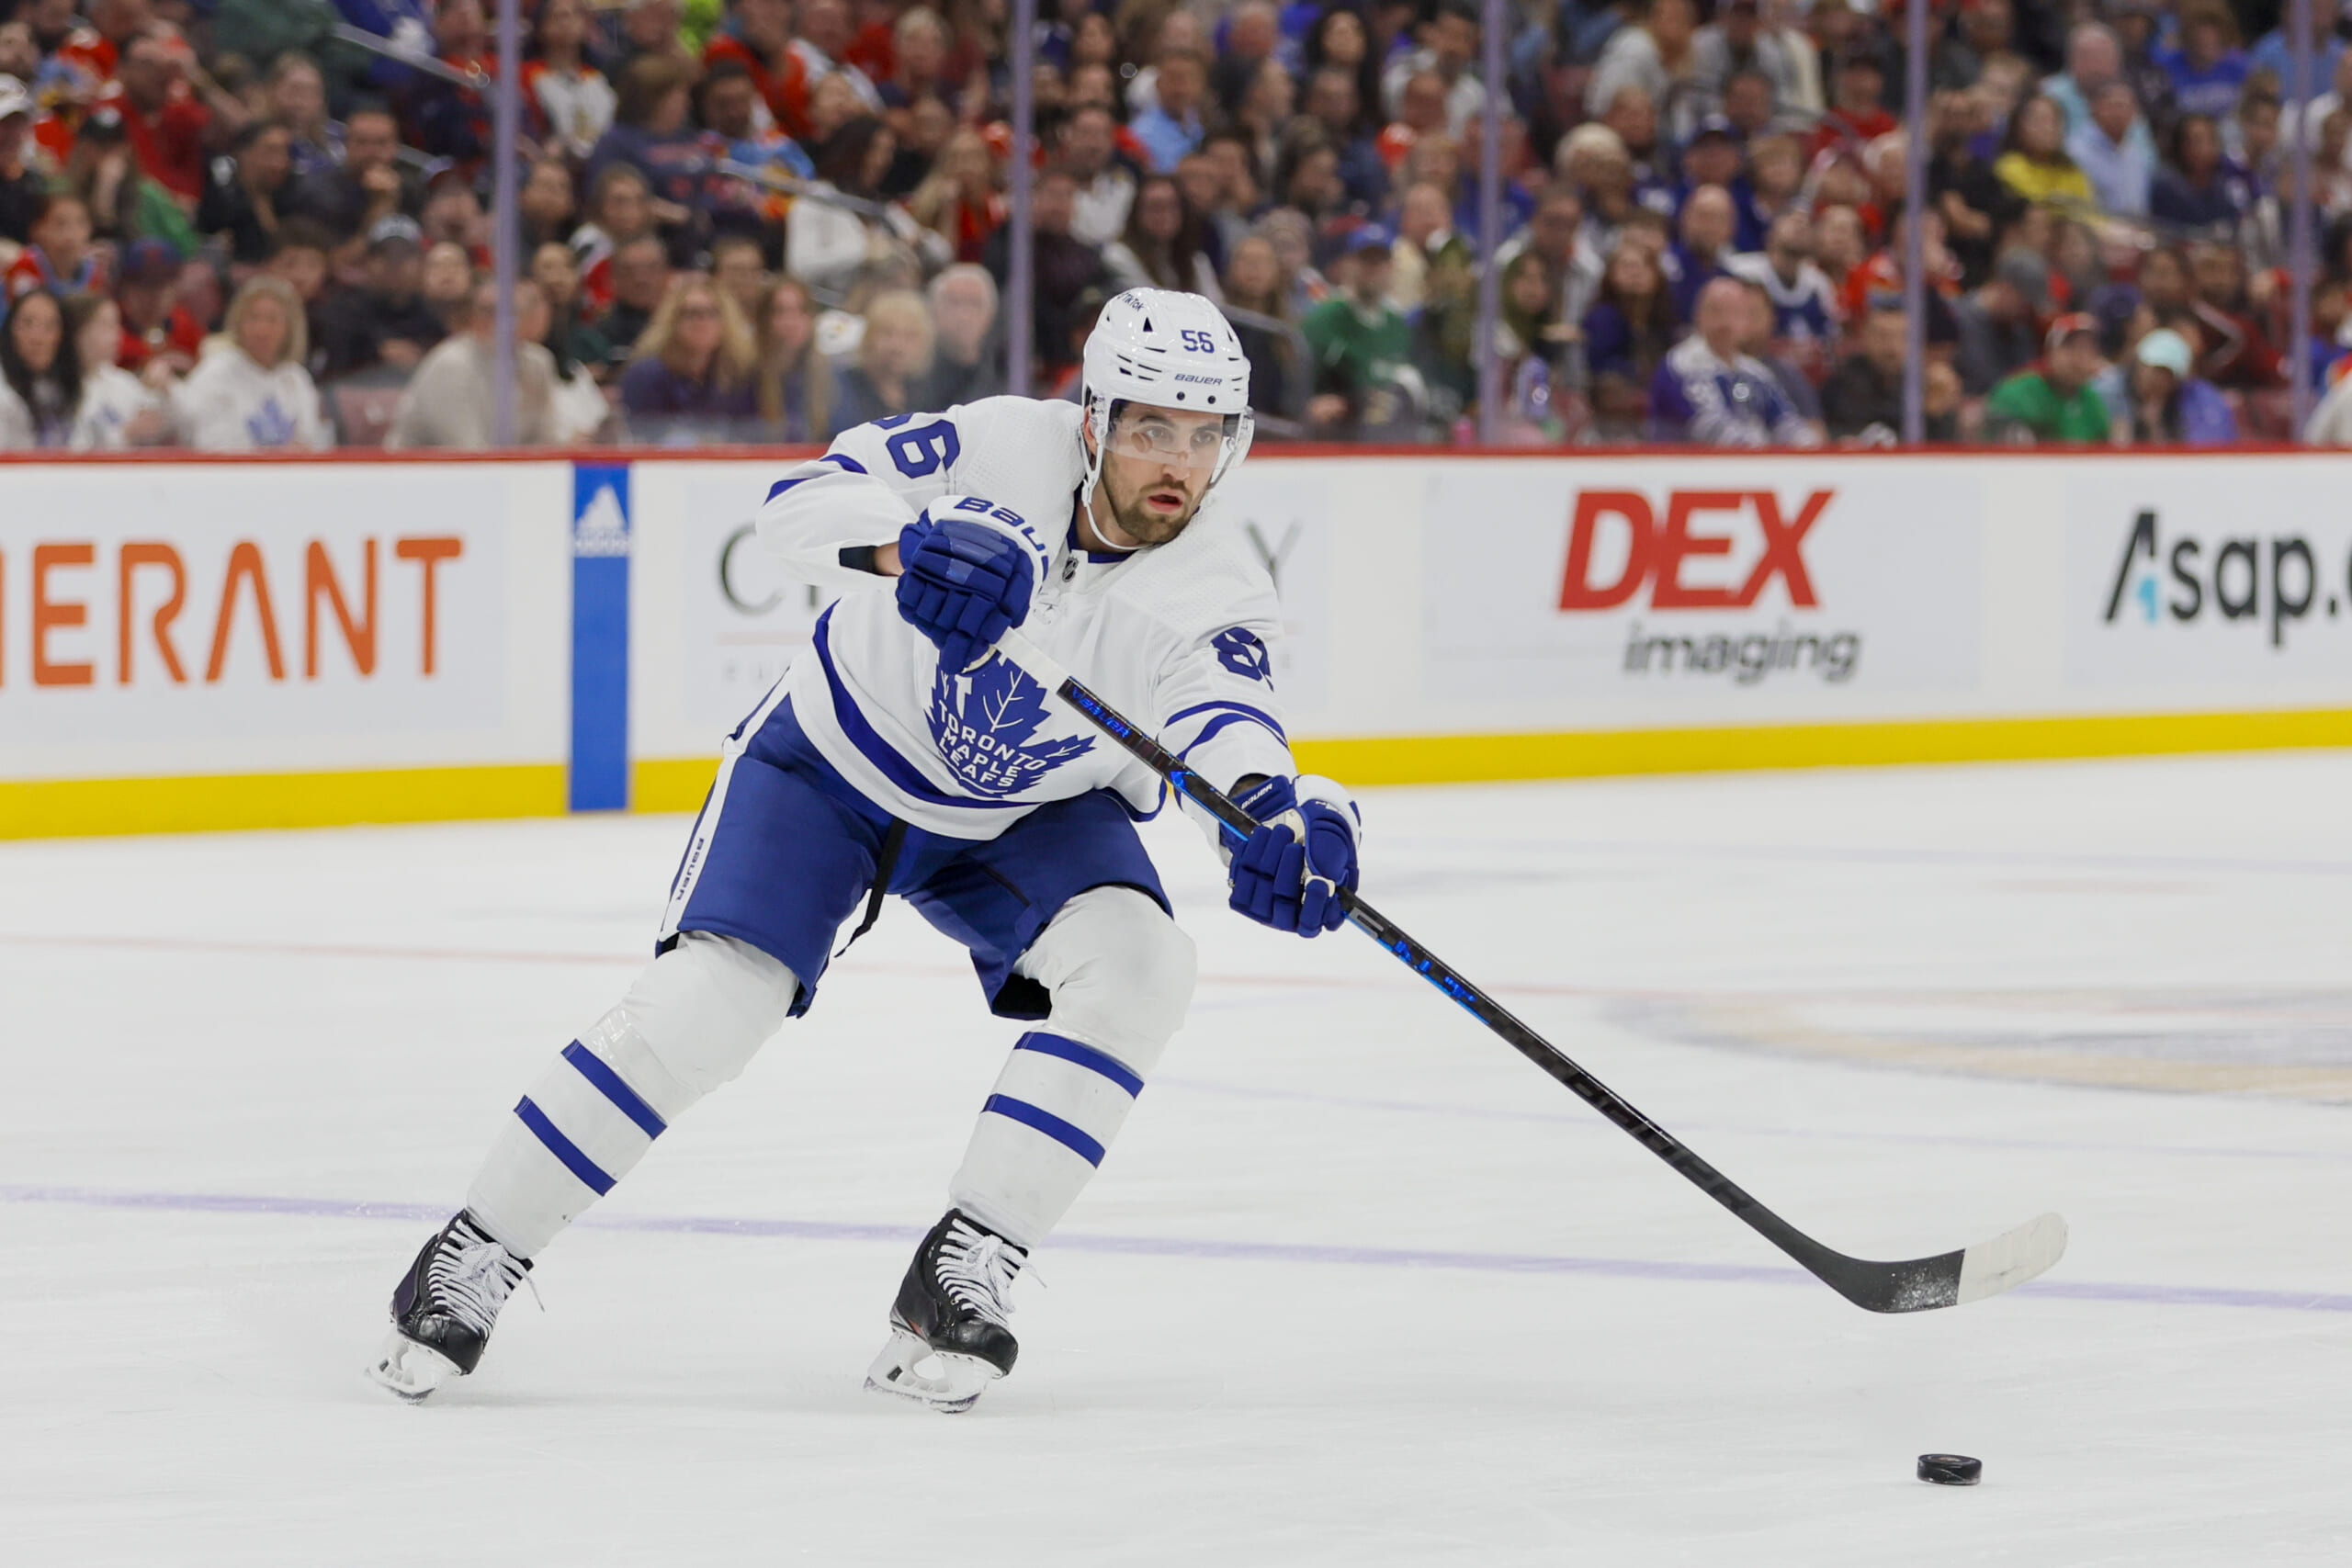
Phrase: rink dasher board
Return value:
(603, 618)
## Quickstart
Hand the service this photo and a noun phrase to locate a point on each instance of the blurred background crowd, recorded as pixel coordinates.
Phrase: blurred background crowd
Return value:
(236, 225)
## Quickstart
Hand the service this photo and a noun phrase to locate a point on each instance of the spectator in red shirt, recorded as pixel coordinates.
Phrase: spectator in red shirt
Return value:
(96, 50)
(1857, 115)
(165, 122)
(759, 33)
(155, 325)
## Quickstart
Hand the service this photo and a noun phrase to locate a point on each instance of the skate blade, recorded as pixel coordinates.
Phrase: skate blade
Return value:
(410, 1370)
(954, 1389)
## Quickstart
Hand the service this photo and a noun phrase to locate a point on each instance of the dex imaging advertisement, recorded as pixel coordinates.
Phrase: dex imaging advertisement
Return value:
(1775, 586)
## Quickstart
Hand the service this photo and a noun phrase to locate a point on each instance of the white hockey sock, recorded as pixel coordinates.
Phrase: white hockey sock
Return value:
(690, 1023)
(1056, 1108)
(1121, 975)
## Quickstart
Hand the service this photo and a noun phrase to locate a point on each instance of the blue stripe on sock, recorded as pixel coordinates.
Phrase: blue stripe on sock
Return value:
(608, 1082)
(563, 1148)
(1086, 1056)
(1045, 1121)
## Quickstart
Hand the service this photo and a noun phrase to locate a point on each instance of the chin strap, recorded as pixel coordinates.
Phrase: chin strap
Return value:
(1097, 420)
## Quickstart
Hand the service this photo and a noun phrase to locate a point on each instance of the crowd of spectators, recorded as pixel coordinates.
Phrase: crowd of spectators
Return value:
(224, 225)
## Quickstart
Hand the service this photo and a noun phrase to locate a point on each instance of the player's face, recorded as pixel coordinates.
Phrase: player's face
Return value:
(1158, 468)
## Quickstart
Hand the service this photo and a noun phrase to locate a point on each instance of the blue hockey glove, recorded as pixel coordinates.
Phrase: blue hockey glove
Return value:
(1289, 872)
(970, 570)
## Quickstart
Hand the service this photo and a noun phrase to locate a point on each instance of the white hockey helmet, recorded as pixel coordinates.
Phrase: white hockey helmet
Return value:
(1169, 350)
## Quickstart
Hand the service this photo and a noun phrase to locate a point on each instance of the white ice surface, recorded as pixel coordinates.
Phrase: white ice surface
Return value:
(342, 1018)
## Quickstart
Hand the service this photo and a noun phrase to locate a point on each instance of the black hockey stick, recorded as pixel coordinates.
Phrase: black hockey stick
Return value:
(1917, 1285)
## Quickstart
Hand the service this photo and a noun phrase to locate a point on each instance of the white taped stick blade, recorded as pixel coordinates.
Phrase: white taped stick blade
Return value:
(1989, 1268)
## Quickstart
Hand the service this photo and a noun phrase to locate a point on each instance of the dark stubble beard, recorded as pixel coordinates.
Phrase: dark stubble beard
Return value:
(1138, 524)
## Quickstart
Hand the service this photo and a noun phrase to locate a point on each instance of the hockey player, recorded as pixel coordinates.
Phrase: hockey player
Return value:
(901, 754)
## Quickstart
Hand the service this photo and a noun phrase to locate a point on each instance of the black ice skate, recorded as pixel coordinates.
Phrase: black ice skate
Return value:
(950, 1314)
(444, 1309)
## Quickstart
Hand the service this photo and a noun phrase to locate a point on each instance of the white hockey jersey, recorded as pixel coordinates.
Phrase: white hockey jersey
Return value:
(1176, 637)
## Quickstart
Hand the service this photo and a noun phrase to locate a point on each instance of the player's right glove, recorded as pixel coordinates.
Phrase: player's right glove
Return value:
(969, 571)
(1289, 872)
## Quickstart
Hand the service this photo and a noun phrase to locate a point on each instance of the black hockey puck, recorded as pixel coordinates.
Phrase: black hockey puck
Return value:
(1950, 1470)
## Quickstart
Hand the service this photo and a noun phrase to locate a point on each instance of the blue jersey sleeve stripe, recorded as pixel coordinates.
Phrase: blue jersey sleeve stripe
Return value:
(1045, 1121)
(1225, 721)
(850, 464)
(1082, 1055)
(1259, 714)
(901, 773)
(563, 1148)
(608, 1083)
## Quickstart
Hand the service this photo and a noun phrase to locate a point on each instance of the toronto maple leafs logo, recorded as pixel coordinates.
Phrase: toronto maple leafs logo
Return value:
(270, 425)
(981, 721)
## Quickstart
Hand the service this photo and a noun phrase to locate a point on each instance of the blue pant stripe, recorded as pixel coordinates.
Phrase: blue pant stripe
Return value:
(563, 1148)
(1045, 1121)
(608, 1082)
(1086, 1056)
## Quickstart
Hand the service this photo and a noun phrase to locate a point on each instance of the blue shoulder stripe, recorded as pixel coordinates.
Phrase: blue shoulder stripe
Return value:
(850, 464)
(1222, 706)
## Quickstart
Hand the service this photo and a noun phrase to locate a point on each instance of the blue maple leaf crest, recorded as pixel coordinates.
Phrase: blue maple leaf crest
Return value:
(270, 425)
(981, 722)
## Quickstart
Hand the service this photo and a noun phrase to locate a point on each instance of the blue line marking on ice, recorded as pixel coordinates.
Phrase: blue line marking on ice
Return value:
(1167, 1246)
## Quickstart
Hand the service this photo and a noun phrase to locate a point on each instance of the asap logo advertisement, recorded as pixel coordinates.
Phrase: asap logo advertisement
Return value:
(2214, 571)
(179, 605)
(1750, 586)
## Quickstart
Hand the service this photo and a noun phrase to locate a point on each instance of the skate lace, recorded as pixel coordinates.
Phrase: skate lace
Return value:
(471, 1276)
(977, 1269)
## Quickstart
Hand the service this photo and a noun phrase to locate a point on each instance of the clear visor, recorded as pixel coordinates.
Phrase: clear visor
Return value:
(1177, 440)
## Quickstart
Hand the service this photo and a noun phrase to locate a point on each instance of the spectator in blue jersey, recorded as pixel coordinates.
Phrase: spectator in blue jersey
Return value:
(1703, 250)
(1708, 392)
(1804, 300)
(1633, 323)
(2207, 69)
(1714, 155)
(1172, 127)
(2275, 53)
(2093, 59)
(2117, 154)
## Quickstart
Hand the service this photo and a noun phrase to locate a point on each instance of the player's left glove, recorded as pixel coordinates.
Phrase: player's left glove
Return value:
(1289, 872)
(969, 571)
